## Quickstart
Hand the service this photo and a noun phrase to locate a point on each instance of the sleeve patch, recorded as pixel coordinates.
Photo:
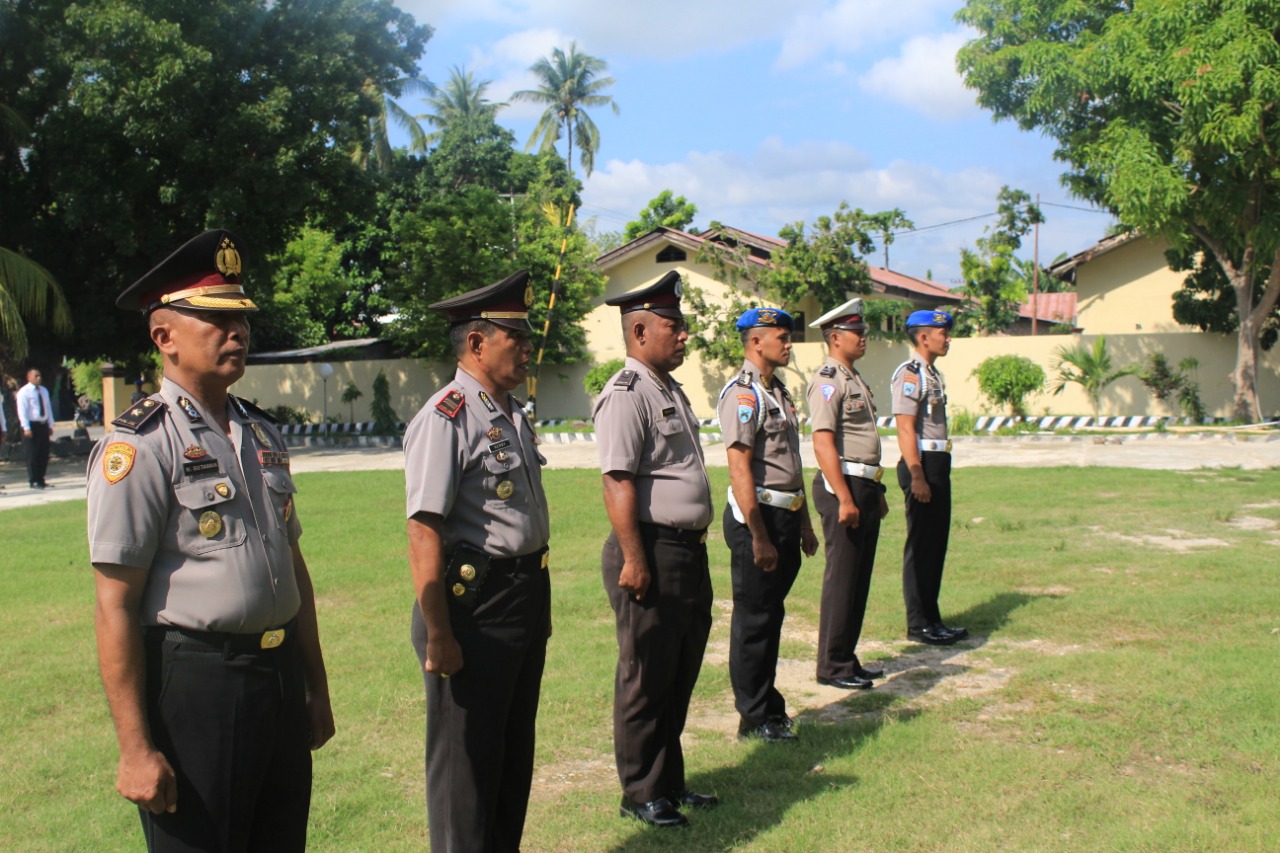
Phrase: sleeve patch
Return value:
(450, 404)
(746, 413)
(117, 461)
(909, 389)
(747, 400)
(827, 391)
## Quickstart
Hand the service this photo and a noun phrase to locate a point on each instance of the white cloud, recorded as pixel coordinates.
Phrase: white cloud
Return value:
(847, 27)
(923, 77)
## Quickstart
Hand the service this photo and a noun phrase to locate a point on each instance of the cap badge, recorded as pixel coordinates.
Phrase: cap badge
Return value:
(227, 259)
(767, 317)
(528, 295)
(939, 317)
(210, 524)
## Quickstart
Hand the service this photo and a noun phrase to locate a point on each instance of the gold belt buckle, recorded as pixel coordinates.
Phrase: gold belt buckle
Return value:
(546, 558)
(702, 538)
(797, 502)
(948, 445)
(271, 639)
(879, 474)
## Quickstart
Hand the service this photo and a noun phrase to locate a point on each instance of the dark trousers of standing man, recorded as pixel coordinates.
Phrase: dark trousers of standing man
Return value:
(846, 581)
(759, 606)
(481, 720)
(928, 527)
(36, 447)
(232, 720)
(661, 639)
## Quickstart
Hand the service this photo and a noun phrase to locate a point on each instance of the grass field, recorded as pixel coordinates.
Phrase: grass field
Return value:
(1118, 693)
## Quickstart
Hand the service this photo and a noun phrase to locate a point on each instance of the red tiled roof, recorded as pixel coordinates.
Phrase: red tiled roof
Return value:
(900, 281)
(1051, 307)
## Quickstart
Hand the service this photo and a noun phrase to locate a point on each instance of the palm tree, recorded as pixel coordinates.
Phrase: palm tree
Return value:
(379, 142)
(568, 83)
(1088, 367)
(461, 98)
(28, 290)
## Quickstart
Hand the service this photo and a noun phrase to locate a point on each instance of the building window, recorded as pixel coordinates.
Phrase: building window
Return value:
(671, 255)
(798, 330)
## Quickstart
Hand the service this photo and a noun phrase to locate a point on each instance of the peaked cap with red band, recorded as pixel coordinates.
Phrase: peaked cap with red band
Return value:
(662, 297)
(504, 304)
(847, 317)
(205, 274)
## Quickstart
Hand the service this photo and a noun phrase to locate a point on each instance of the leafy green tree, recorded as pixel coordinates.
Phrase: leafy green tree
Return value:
(28, 294)
(460, 99)
(994, 278)
(665, 210)
(567, 84)
(1090, 368)
(1165, 113)
(593, 381)
(385, 421)
(151, 121)
(886, 223)
(349, 396)
(1007, 380)
(1166, 382)
(310, 286)
(378, 143)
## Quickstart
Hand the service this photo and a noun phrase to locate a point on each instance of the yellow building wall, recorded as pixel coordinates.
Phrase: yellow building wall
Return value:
(1129, 291)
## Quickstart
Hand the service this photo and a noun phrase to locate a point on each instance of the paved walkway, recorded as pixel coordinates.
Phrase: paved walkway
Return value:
(1155, 451)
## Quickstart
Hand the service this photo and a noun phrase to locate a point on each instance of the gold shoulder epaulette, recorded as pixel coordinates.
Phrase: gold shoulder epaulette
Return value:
(139, 413)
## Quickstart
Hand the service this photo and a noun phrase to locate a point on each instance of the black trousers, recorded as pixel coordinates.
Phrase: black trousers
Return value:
(759, 606)
(481, 721)
(36, 447)
(236, 730)
(928, 528)
(846, 581)
(661, 640)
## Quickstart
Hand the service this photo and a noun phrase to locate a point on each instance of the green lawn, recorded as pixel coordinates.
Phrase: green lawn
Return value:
(1119, 692)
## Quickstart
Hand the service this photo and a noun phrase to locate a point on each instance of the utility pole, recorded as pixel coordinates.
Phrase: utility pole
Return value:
(1035, 273)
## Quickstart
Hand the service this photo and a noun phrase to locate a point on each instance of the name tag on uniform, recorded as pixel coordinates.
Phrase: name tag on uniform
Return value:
(500, 445)
(669, 411)
(193, 469)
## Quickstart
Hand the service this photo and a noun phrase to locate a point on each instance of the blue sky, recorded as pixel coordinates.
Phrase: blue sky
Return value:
(763, 113)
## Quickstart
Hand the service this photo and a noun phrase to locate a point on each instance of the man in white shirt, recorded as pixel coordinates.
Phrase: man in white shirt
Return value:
(35, 413)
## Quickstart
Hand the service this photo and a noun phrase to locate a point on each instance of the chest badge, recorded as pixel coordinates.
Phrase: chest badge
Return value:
(502, 456)
(506, 489)
(261, 433)
(288, 508)
(195, 451)
(189, 408)
(210, 524)
(223, 489)
(494, 433)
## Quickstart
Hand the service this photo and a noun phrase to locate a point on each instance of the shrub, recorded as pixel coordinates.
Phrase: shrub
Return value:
(594, 381)
(1007, 380)
(385, 421)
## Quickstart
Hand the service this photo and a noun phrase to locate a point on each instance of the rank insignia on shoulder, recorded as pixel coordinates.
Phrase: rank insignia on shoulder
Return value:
(117, 461)
(744, 379)
(626, 379)
(138, 415)
(450, 404)
(827, 370)
(189, 408)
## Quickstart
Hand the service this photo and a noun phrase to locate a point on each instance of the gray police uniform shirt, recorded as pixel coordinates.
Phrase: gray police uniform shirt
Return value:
(467, 462)
(763, 419)
(210, 518)
(918, 389)
(840, 401)
(648, 429)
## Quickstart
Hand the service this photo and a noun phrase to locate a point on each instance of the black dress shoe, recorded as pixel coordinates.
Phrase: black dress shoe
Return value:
(659, 812)
(773, 730)
(934, 635)
(685, 797)
(862, 672)
(958, 633)
(847, 682)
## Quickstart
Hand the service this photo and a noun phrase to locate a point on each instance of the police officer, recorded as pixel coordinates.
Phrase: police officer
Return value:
(206, 621)
(766, 521)
(478, 531)
(924, 473)
(654, 562)
(847, 492)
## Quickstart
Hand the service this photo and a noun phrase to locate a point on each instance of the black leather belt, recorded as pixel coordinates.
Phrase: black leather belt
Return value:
(226, 641)
(674, 534)
(527, 563)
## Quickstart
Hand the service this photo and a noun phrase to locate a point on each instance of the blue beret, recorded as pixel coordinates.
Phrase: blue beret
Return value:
(756, 317)
(937, 319)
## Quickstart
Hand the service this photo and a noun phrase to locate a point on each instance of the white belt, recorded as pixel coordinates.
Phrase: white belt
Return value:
(769, 497)
(937, 445)
(857, 469)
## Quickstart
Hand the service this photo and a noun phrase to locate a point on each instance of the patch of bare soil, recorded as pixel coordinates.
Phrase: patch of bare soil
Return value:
(1175, 540)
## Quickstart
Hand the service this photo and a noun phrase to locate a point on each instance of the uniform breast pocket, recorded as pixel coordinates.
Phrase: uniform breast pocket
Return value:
(777, 439)
(280, 489)
(503, 480)
(210, 518)
(672, 441)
